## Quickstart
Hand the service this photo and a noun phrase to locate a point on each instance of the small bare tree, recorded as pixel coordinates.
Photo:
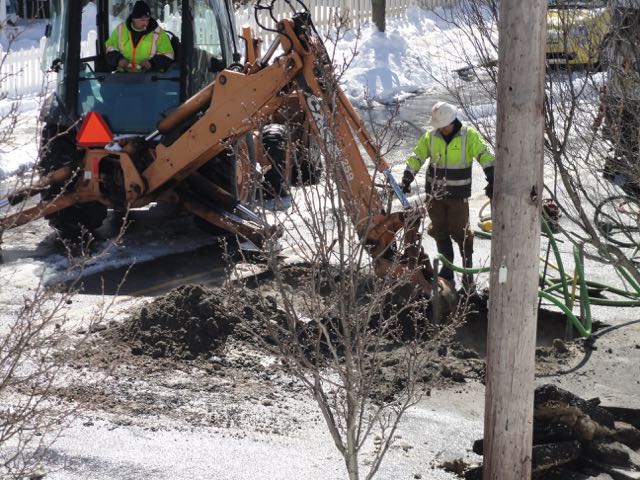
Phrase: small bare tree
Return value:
(34, 327)
(337, 319)
(34, 354)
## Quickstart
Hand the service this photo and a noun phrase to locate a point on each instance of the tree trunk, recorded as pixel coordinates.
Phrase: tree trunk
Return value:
(516, 241)
(378, 13)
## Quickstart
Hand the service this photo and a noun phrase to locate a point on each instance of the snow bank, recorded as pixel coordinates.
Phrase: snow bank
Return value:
(413, 55)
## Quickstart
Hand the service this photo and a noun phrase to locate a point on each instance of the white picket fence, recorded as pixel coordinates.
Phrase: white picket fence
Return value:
(323, 12)
(21, 70)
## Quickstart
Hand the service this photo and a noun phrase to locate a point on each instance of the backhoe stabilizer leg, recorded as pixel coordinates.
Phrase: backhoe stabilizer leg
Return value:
(221, 197)
(254, 232)
(40, 210)
(39, 185)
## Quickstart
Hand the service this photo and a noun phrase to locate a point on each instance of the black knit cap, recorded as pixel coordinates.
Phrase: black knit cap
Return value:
(140, 9)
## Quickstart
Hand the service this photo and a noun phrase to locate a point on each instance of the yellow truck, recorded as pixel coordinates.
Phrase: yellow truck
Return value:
(576, 31)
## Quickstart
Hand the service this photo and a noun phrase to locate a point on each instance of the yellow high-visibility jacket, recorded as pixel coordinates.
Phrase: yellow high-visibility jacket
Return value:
(155, 41)
(450, 164)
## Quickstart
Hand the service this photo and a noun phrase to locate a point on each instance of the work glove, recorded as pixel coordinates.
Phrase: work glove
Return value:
(488, 190)
(407, 178)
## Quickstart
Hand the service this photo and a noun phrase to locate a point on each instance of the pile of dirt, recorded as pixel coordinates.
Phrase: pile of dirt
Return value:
(574, 438)
(198, 342)
(187, 322)
(194, 321)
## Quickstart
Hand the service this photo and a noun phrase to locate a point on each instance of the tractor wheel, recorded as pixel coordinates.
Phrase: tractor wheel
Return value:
(274, 142)
(307, 167)
(56, 151)
(232, 170)
(245, 152)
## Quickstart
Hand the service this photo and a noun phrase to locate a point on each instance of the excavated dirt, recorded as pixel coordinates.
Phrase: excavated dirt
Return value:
(189, 321)
(202, 356)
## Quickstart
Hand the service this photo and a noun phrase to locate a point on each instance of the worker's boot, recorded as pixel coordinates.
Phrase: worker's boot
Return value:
(445, 248)
(468, 282)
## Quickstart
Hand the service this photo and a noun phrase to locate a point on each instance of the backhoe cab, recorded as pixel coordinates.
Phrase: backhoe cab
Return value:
(203, 37)
(190, 152)
(204, 41)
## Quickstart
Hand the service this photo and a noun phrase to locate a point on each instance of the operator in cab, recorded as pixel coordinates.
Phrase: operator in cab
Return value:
(139, 44)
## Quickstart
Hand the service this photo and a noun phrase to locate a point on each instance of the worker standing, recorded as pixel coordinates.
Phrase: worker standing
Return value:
(139, 44)
(451, 148)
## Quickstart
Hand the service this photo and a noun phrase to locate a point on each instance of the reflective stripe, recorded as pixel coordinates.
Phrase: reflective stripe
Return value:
(489, 163)
(433, 133)
(457, 183)
(120, 37)
(154, 42)
(463, 147)
(409, 165)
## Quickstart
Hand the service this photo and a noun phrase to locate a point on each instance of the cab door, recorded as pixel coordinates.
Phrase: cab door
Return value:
(213, 41)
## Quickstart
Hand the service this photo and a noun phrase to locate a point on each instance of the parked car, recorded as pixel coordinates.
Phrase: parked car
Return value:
(576, 32)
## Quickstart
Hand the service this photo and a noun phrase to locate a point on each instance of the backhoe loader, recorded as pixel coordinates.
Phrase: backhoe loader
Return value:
(169, 164)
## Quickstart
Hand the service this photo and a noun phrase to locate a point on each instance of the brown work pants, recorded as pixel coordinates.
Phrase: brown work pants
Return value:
(450, 220)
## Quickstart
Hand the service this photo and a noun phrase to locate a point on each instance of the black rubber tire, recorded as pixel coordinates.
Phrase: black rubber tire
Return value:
(274, 141)
(221, 171)
(57, 151)
(307, 166)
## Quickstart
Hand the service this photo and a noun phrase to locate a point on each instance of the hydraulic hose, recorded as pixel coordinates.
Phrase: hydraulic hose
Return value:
(561, 291)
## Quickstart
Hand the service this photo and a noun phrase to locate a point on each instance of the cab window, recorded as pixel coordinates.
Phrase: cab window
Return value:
(212, 38)
(56, 32)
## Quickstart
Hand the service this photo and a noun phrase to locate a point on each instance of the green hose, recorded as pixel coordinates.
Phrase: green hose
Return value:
(556, 253)
(552, 286)
(445, 261)
(585, 332)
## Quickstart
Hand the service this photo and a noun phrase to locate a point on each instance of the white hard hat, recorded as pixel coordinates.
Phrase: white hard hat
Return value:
(443, 114)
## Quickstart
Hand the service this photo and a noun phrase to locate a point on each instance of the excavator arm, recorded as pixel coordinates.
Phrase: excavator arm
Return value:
(232, 106)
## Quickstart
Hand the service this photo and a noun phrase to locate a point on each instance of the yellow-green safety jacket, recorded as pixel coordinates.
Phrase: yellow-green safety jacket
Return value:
(450, 164)
(154, 42)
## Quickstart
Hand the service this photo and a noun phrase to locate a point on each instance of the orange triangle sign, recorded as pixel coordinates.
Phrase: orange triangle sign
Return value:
(94, 131)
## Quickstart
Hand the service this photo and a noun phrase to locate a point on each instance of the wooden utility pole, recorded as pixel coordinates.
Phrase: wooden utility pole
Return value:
(516, 241)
